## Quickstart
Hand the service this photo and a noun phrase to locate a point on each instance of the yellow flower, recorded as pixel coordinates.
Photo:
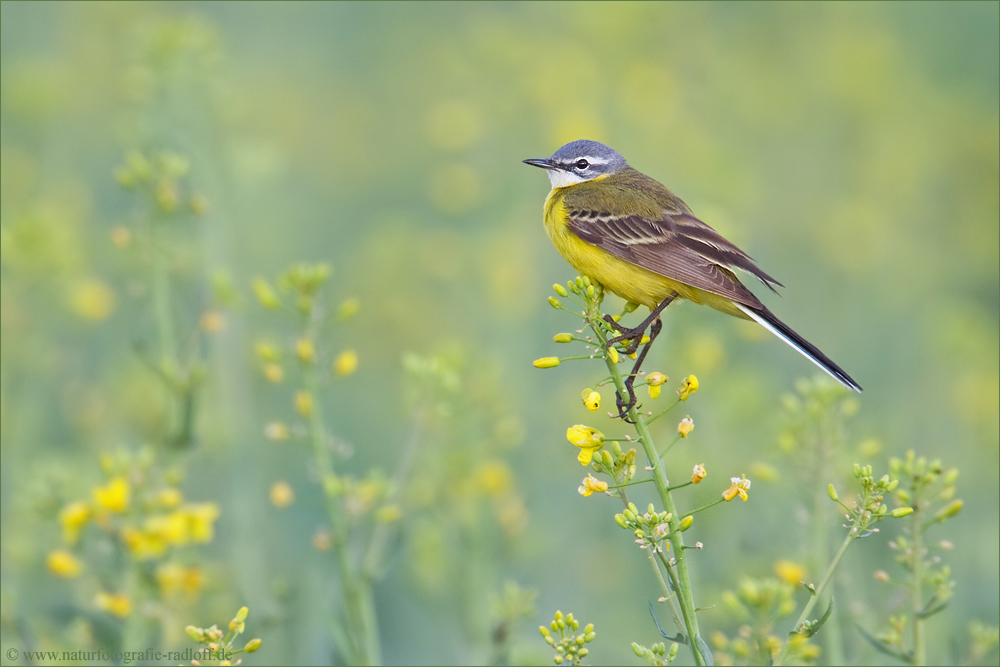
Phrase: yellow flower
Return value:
(305, 350)
(276, 431)
(688, 387)
(654, 391)
(304, 403)
(92, 299)
(591, 399)
(790, 572)
(170, 578)
(282, 494)
(173, 528)
(274, 373)
(114, 496)
(699, 473)
(170, 498)
(118, 604)
(591, 485)
(121, 236)
(656, 379)
(72, 518)
(739, 488)
(589, 440)
(546, 362)
(201, 521)
(143, 545)
(685, 427)
(345, 363)
(388, 514)
(64, 564)
(322, 541)
(266, 352)
(194, 580)
(493, 477)
(212, 321)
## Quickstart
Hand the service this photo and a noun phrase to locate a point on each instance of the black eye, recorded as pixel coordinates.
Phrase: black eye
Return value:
(582, 164)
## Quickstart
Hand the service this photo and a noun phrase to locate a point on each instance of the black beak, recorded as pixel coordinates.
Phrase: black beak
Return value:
(544, 163)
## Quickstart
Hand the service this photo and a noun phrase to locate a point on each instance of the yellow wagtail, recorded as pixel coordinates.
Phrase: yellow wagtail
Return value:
(635, 237)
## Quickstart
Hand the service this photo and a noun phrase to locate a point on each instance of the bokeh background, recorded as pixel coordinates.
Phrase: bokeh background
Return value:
(852, 149)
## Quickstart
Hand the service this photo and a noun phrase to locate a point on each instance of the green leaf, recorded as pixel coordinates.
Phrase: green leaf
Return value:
(882, 647)
(929, 611)
(706, 652)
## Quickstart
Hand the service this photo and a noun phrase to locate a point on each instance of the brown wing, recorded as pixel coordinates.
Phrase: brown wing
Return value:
(677, 245)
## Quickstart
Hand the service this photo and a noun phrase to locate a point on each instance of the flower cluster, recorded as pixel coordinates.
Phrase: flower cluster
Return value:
(657, 655)
(220, 644)
(651, 528)
(142, 511)
(562, 636)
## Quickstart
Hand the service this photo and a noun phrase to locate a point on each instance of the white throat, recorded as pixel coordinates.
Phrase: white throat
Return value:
(560, 178)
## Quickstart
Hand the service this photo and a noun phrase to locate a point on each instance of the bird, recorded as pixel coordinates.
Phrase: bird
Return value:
(635, 237)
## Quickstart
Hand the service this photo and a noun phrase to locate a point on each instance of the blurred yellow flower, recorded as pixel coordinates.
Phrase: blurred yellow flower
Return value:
(194, 580)
(592, 485)
(169, 498)
(699, 473)
(266, 352)
(389, 514)
(121, 236)
(790, 572)
(493, 477)
(201, 521)
(114, 496)
(118, 604)
(72, 518)
(592, 400)
(739, 487)
(64, 564)
(169, 577)
(322, 541)
(282, 494)
(303, 403)
(143, 545)
(92, 299)
(273, 372)
(589, 440)
(173, 528)
(688, 387)
(276, 431)
(212, 322)
(348, 308)
(685, 427)
(265, 294)
(345, 363)
(305, 350)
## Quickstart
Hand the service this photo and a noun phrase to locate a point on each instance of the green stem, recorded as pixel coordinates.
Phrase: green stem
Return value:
(663, 412)
(705, 507)
(919, 645)
(362, 626)
(816, 594)
(683, 586)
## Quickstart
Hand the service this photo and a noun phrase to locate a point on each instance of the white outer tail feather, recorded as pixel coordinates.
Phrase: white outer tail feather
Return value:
(805, 353)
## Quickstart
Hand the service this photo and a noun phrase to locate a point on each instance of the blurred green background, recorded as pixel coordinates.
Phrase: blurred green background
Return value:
(852, 149)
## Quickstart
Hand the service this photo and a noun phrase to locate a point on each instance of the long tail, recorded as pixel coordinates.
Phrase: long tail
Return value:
(767, 319)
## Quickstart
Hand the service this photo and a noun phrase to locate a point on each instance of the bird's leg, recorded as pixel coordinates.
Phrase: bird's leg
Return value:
(623, 409)
(634, 336)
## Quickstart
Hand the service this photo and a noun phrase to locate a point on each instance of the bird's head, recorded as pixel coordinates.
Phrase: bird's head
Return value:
(580, 161)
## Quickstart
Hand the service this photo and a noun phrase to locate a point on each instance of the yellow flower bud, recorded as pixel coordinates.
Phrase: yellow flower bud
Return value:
(546, 362)
(592, 401)
(252, 645)
(554, 302)
(900, 512)
(685, 427)
(560, 290)
(265, 294)
(949, 510)
(304, 403)
(688, 387)
(613, 353)
(832, 492)
(686, 522)
(563, 338)
(63, 564)
(345, 363)
(305, 350)
(274, 373)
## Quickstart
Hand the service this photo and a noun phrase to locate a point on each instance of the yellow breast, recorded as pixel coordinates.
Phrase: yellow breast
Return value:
(627, 280)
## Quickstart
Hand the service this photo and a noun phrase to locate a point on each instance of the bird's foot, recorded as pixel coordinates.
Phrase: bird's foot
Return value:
(633, 336)
(623, 405)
